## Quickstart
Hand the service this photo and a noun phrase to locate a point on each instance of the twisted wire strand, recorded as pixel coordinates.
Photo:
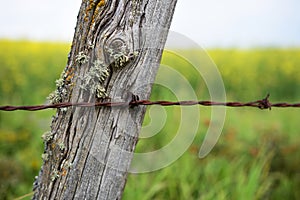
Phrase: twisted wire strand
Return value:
(261, 104)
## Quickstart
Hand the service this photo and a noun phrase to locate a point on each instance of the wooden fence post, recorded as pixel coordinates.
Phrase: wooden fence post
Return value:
(116, 51)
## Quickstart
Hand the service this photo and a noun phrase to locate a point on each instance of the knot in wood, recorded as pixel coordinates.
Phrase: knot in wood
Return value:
(118, 53)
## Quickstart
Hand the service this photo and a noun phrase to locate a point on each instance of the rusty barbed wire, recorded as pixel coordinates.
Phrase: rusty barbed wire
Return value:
(261, 104)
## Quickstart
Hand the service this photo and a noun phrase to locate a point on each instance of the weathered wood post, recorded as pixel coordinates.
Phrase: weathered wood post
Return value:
(116, 50)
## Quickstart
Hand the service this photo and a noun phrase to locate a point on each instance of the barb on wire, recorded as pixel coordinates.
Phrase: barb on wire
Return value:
(261, 104)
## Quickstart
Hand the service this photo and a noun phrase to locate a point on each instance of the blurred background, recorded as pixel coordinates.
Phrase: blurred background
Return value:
(254, 44)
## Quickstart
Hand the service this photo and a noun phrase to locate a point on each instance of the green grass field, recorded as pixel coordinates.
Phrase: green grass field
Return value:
(256, 157)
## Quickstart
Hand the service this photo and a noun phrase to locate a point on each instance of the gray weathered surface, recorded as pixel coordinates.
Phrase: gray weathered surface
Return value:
(89, 150)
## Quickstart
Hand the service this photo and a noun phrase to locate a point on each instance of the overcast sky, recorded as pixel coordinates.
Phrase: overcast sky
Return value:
(211, 23)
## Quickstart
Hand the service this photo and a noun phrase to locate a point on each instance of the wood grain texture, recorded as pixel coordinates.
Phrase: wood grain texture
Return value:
(90, 150)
